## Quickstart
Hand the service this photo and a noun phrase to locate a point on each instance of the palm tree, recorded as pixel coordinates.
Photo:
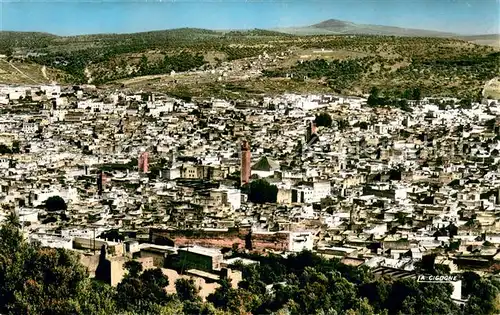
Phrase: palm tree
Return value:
(12, 219)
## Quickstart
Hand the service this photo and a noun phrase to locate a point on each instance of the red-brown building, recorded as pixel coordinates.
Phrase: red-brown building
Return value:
(245, 163)
(143, 162)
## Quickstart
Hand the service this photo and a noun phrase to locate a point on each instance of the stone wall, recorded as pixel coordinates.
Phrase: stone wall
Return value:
(260, 241)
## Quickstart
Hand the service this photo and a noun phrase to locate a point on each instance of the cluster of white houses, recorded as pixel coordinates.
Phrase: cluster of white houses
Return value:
(379, 186)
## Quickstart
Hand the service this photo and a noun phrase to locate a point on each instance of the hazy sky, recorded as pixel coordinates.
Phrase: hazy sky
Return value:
(70, 17)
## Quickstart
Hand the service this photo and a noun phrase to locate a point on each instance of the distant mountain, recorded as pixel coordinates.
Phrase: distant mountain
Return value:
(338, 27)
(489, 39)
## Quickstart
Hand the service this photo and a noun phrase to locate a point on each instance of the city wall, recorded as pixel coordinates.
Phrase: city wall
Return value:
(260, 241)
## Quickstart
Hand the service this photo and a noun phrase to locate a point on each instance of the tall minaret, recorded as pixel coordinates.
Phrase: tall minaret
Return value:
(311, 130)
(245, 163)
(101, 181)
(143, 162)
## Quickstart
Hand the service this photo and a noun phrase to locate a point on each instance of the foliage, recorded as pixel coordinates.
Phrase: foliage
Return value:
(5, 149)
(186, 289)
(134, 268)
(55, 203)
(323, 119)
(398, 99)
(340, 74)
(39, 280)
(260, 191)
(142, 293)
(437, 66)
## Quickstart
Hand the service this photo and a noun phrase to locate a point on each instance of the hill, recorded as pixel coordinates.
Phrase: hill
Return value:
(241, 63)
(23, 72)
(338, 27)
(488, 39)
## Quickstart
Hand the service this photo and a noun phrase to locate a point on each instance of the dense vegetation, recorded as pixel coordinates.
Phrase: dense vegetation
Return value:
(10, 150)
(38, 280)
(261, 191)
(349, 64)
(432, 76)
(114, 56)
(323, 120)
(55, 203)
(340, 75)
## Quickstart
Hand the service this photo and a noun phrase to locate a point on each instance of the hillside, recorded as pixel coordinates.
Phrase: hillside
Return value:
(488, 40)
(338, 27)
(241, 63)
(32, 73)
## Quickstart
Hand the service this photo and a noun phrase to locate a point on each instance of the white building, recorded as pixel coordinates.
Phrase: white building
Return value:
(28, 215)
(302, 194)
(321, 190)
(51, 91)
(300, 241)
(30, 127)
(40, 196)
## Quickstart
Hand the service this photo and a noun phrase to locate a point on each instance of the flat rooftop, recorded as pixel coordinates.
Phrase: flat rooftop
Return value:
(203, 274)
(200, 250)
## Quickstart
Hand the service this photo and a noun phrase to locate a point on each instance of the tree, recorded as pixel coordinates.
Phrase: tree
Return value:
(248, 241)
(186, 289)
(229, 299)
(5, 149)
(374, 98)
(466, 103)
(323, 119)
(134, 268)
(37, 280)
(15, 147)
(9, 53)
(222, 295)
(143, 293)
(416, 94)
(55, 203)
(143, 63)
(41, 280)
(375, 92)
(262, 192)
(96, 298)
(342, 124)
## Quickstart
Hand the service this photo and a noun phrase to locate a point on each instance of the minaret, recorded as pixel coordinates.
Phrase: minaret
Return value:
(245, 163)
(101, 181)
(312, 126)
(143, 163)
(311, 130)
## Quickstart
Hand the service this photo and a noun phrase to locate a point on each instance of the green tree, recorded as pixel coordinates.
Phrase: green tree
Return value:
(323, 119)
(55, 203)
(5, 149)
(143, 64)
(416, 94)
(262, 192)
(39, 280)
(374, 98)
(186, 289)
(143, 293)
(15, 147)
(133, 267)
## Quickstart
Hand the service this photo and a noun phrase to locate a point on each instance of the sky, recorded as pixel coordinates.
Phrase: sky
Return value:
(74, 17)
